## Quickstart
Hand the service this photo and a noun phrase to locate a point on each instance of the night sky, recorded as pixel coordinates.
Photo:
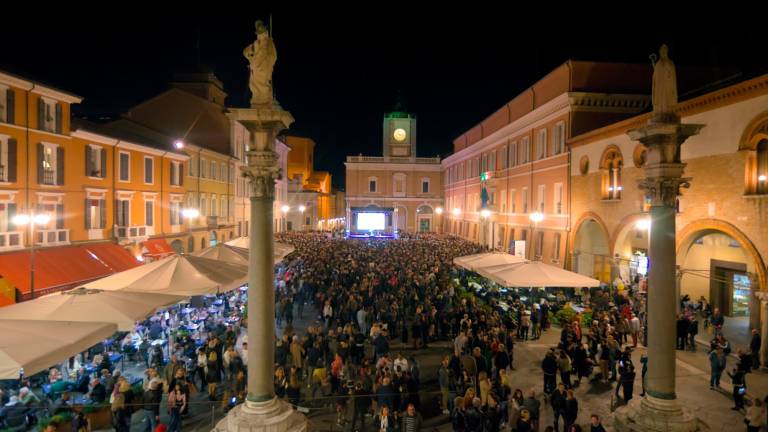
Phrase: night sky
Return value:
(338, 74)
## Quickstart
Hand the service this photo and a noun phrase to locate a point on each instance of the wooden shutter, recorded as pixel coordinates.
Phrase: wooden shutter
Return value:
(10, 106)
(11, 214)
(40, 158)
(103, 213)
(103, 168)
(87, 214)
(88, 168)
(40, 114)
(60, 165)
(59, 127)
(59, 216)
(12, 160)
(181, 174)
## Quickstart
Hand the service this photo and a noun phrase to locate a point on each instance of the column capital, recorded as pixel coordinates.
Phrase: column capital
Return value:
(262, 171)
(762, 296)
(664, 191)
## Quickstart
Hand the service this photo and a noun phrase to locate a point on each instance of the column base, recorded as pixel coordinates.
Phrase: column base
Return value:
(651, 414)
(272, 416)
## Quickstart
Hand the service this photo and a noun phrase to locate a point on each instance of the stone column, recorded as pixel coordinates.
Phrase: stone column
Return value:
(262, 411)
(660, 410)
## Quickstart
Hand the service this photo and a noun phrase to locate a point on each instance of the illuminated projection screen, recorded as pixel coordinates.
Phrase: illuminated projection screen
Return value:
(371, 221)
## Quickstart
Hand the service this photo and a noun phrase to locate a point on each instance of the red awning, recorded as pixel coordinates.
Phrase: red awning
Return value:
(114, 257)
(158, 248)
(61, 268)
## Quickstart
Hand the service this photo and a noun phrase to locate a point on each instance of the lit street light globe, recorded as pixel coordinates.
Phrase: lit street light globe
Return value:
(302, 208)
(285, 208)
(536, 217)
(456, 211)
(485, 213)
(439, 210)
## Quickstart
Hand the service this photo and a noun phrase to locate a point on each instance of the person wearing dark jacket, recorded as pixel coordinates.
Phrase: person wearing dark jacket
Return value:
(595, 425)
(558, 403)
(98, 391)
(571, 410)
(151, 399)
(754, 348)
(739, 388)
(385, 421)
(411, 420)
(361, 403)
(549, 367)
(473, 418)
(693, 330)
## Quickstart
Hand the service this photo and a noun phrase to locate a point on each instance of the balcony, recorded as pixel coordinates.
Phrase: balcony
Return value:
(49, 176)
(54, 237)
(393, 159)
(11, 240)
(212, 221)
(132, 233)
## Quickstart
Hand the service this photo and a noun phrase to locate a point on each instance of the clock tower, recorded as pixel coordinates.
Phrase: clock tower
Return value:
(399, 137)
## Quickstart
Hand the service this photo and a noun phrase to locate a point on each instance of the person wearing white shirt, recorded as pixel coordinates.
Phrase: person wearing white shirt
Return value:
(401, 362)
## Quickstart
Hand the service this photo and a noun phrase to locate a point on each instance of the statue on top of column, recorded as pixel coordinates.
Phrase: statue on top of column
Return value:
(261, 55)
(664, 95)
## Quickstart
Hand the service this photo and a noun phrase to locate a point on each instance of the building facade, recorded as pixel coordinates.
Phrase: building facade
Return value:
(407, 188)
(722, 240)
(310, 198)
(507, 182)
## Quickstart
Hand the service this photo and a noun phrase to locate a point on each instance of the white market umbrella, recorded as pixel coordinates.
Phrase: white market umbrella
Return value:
(280, 249)
(226, 253)
(476, 261)
(90, 305)
(536, 274)
(183, 275)
(38, 345)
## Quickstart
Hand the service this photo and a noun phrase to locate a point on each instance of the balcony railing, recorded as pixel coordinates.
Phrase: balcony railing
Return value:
(393, 159)
(49, 176)
(212, 221)
(53, 237)
(131, 232)
(11, 240)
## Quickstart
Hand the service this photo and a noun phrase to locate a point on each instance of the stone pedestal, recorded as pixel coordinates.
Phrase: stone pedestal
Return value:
(262, 411)
(660, 410)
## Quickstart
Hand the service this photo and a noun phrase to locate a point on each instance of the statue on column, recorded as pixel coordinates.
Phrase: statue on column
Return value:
(261, 55)
(664, 95)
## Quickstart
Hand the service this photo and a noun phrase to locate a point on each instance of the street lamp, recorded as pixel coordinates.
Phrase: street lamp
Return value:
(31, 220)
(643, 224)
(439, 212)
(456, 211)
(535, 217)
(190, 213)
(179, 144)
(302, 209)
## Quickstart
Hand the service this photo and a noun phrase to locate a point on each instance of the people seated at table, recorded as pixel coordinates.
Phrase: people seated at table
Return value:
(156, 358)
(27, 397)
(12, 412)
(83, 379)
(63, 404)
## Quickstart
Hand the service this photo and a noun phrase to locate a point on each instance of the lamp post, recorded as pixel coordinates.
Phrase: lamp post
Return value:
(535, 217)
(31, 220)
(439, 212)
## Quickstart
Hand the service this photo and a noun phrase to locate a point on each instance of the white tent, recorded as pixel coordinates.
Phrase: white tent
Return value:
(536, 274)
(183, 275)
(88, 305)
(226, 253)
(281, 249)
(476, 261)
(37, 345)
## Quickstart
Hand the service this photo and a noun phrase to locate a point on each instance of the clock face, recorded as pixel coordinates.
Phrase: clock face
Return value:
(399, 134)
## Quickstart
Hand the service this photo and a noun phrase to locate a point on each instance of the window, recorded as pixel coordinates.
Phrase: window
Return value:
(149, 213)
(492, 161)
(50, 168)
(213, 205)
(556, 248)
(192, 171)
(558, 202)
(7, 105)
(223, 203)
(513, 200)
(125, 166)
(424, 185)
(8, 159)
(399, 184)
(175, 209)
(232, 174)
(95, 214)
(49, 114)
(611, 168)
(539, 243)
(223, 174)
(484, 165)
(231, 207)
(540, 204)
(503, 201)
(123, 213)
(95, 161)
(372, 184)
(203, 206)
(149, 170)
(214, 175)
(525, 200)
(176, 174)
(503, 158)
(559, 138)
(526, 143)
(203, 168)
(762, 167)
(541, 145)
(513, 154)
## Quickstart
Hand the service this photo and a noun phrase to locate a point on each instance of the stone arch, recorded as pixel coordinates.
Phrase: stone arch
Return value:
(590, 247)
(625, 225)
(688, 234)
(584, 218)
(177, 246)
(754, 142)
(756, 131)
